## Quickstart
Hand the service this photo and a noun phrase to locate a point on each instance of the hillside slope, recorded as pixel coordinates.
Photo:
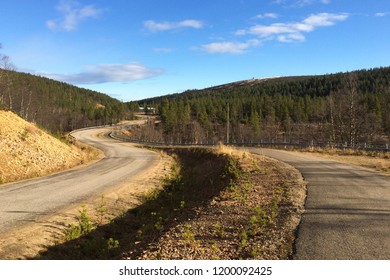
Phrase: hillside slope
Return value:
(26, 151)
(54, 105)
(343, 109)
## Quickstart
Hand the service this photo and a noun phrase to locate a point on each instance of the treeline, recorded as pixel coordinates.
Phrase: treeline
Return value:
(57, 106)
(348, 108)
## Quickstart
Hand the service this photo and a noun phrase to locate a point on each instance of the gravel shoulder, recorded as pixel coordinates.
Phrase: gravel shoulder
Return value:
(347, 211)
(255, 217)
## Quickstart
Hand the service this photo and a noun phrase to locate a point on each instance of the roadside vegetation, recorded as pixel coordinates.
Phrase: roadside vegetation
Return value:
(374, 160)
(378, 161)
(215, 204)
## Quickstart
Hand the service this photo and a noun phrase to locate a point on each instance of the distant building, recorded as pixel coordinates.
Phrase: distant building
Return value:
(149, 110)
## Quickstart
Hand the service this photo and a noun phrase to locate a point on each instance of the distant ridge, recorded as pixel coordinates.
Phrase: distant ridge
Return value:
(281, 84)
(241, 83)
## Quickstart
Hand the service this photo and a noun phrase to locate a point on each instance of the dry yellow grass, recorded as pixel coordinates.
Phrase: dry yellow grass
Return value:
(379, 161)
(26, 151)
(229, 150)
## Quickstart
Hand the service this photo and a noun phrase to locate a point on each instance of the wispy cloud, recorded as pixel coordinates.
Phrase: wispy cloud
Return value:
(229, 47)
(294, 31)
(266, 15)
(300, 3)
(107, 73)
(154, 26)
(162, 50)
(72, 13)
(382, 14)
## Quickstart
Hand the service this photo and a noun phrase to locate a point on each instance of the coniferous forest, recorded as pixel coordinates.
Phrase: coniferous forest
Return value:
(56, 106)
(350, 109)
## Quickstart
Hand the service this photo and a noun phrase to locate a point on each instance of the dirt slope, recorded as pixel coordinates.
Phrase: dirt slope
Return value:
(26, 151)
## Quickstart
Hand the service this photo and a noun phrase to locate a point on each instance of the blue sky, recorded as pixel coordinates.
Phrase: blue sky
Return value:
(134, 49)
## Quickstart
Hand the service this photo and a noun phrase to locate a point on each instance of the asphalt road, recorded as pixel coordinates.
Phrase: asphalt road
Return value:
(347, 212)
(26, 201)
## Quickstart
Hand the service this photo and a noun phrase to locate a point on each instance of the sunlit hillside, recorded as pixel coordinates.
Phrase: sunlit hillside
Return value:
(26, 151)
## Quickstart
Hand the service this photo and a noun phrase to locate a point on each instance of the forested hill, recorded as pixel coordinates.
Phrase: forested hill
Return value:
(371, 80)
(350, 108)
(56, 106)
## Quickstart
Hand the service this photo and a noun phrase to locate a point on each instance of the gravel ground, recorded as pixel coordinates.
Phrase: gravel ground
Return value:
(255, 217)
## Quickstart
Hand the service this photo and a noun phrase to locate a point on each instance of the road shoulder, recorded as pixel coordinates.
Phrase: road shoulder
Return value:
(27, 241)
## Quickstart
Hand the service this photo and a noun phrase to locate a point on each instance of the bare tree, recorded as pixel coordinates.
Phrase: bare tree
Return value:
(5, 82)
(5, 63)
(347, 115)
(332, 121)
(352, 92)
(1, 80)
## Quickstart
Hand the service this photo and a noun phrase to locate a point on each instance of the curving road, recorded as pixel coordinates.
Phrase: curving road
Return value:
(347, 211)
(26, 201)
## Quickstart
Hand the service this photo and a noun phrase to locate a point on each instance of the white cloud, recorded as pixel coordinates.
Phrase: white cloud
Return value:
(292, 37)
(282, 32)
(229, 47)
(158, 26)
(154, 26)
(266, 15)
(107, 73)
(300, 3)
(72, 14)
(325, 19)
(382, 14)
(191, 23)
(290, 32)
